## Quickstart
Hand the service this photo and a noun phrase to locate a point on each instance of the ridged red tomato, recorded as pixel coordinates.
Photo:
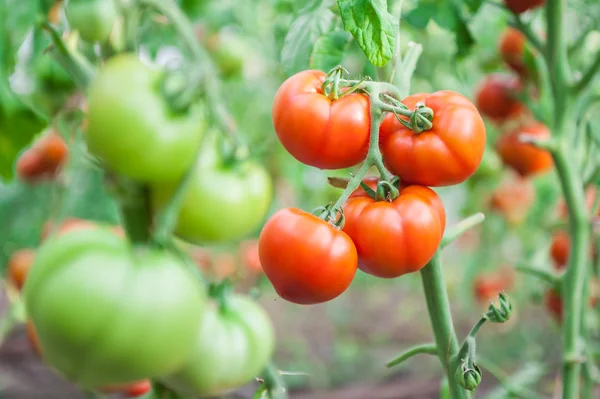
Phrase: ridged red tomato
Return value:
(397, 237)
(447, 154)
(318, 131)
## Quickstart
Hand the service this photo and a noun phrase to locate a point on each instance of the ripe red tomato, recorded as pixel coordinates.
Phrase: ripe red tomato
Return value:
(524, 158)
(560, 248)
(553, 303)
(512, 50)
(513, 198)
(520, 6)
(487, 286)
(447, 154)
(44, 159)
(397, 237)
(493, 98)
(18, 266)
(318, 131)
(307, 259)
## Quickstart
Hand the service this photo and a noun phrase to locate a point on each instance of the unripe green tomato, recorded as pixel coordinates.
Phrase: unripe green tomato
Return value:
(108, 314)
(222, 201)
(233, 346)
(228, 50)
(93, 19)
(133, 129)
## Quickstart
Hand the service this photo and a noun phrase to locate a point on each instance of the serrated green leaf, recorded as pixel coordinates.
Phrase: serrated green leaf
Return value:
(329, 50)
(419, 17)
(301, 38)
(373, 27)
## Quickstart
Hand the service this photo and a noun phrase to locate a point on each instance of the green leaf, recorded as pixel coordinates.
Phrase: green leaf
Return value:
(18, 125)
(464, 39)
(301, 38)
(373, 27)
(473, 5)
(329, 50)
(446, 16)
(419, 17)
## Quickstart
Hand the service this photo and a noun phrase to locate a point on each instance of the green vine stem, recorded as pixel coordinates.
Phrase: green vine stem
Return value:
(428, 349)
(441, 321)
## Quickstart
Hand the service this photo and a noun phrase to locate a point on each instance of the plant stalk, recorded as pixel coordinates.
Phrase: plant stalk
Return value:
(441, 322)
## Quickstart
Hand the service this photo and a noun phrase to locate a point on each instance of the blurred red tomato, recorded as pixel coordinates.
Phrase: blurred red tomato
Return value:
(513, 198)
(512, 50)
(495, 98)
(249, 256)
(487, 286)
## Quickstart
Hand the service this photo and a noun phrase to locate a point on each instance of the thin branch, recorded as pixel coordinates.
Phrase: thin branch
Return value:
(457, 230)
(532, 38)
(588, 75)
(428, 349)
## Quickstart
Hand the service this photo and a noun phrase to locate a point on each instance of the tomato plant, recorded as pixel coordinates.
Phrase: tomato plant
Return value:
(149, 141)
(448, 153)
(225, 199)
(93, 19)
(317, 130)
(307, 259)
(396, 237)
(487, 286)
(495, 98)
(525, 158)
(234, 344)
(83, 278)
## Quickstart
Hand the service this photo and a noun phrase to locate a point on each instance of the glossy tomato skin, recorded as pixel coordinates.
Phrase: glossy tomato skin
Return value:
(512, 50)
(447, 154)
(524, 158)
(132, 128)
(92, 299)
(520, 6)
(494, 100)
(398, 237)
(19, 264)
(222, 202)
(306, 259)
(232, 347)
(316, 130)
(93, 19)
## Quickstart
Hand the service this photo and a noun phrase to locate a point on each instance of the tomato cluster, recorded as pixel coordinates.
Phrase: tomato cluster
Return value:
(91, 291)
(311, 259)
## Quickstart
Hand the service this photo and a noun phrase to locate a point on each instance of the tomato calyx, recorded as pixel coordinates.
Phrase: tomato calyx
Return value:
(221, 292)
(386, 191)
(331, 214)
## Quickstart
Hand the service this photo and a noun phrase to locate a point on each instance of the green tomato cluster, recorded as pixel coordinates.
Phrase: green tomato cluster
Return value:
(107, 313)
